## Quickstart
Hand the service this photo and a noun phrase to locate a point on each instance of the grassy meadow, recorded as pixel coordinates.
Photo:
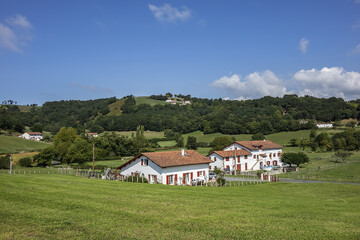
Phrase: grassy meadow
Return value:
(146, 100)
(68, 207)
(10, 144)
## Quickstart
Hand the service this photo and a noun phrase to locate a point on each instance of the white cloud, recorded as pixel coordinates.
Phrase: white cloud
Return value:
(329, 82)
(356, 49)
(19, 21)
(8, 39)
(166, 13)
(15, 33)
(356, 25)
(254, 85)
(303, 44)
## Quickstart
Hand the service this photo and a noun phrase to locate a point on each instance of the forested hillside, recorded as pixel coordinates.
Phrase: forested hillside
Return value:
(265, 115)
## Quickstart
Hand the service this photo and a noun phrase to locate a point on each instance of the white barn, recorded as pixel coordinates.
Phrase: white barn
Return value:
(170, 168)
(250, 155)
(36, 136)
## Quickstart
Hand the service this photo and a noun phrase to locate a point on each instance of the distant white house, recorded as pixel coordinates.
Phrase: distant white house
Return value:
(36, 136)
(180, 102)
(92, 135)
(170, 168)
(324, 125)
(247, 156)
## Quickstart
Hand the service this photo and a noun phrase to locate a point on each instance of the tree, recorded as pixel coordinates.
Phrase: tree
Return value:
(37, 127)
(46, 156)
(294, 142)
(63, 140)
(220, 142)
(303, 143)
(323, 140)
(5, 162)
(25, 162)
(180, 141)
(342, 155)
(258, 136)
(191, 143)
(295, 158)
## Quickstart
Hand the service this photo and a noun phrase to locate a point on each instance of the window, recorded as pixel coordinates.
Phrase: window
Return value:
(275, 163)
(146, 162)
(200, 173)
(245, 156)
(171, 179)
(214, 159)
(227, 158)
(268, 163)
(254, 156)
(274, 155)
(142, 162)
(227, 167)
(279, 154)
(238, 159)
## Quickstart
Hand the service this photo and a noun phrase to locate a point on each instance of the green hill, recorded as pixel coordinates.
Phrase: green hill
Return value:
(146, 100)
(15, 144)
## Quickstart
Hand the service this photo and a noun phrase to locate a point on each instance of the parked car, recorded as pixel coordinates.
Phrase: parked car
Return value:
(212, 175)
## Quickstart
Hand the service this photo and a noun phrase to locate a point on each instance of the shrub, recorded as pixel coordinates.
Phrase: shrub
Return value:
(135, 178)
(5, 162)
(25, 162)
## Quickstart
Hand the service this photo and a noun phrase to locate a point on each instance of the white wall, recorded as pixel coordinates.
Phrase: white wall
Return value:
(161, 173)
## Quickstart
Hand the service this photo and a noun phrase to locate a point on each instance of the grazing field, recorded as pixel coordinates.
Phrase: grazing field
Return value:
(115, 107)
(69, 207)
(9, 144)
(146, 100)
(147, 134)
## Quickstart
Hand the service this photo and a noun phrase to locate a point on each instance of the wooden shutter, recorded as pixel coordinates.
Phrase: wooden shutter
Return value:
(155, 178)
(149, 178)
(245, 166)
(184, 176)
(142, 162)
(175, 178)
(167, 180)
(198, 173)
(192, 175)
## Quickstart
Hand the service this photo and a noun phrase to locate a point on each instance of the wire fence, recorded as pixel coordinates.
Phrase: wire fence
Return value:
(117, 177)
(318, 173)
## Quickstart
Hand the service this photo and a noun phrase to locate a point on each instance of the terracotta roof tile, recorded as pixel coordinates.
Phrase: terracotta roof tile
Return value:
(34, 133)
(239, 152)
(173, 158)
(254, 145)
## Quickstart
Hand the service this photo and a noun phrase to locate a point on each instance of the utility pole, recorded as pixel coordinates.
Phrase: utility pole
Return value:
(235, 158)
(10, 164)
(93, 158)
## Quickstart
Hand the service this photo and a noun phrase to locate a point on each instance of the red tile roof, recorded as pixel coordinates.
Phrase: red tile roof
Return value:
(34, 133)
(172, 159)
(254, 145)
(239, 152)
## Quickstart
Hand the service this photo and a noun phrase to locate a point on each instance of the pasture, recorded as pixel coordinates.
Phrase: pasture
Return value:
(67, 207)
(10, 144)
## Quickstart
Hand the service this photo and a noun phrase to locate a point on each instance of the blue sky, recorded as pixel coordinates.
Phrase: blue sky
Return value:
(60, 50)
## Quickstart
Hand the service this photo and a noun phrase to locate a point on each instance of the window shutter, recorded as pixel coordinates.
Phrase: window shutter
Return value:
(149, 178)
(175, 178)
(142, 162)
(167, 180)
(203, 173)
(192, 175)
(184, 176)
(198, 173)
(155, 178)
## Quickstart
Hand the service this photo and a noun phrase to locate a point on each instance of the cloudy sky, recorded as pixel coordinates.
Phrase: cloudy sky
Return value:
(54, 50)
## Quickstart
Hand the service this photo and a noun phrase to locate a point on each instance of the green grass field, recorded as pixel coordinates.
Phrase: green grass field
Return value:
(115, 107)
(146, 100)
(68, 207)
(9, 144)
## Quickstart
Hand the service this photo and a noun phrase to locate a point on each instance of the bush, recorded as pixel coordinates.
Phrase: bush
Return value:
(25, 162)
(5, 162)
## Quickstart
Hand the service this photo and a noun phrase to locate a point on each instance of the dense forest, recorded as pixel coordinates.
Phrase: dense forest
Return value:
(265, 115)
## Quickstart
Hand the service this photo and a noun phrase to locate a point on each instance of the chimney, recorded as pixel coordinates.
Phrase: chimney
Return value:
(183, 152)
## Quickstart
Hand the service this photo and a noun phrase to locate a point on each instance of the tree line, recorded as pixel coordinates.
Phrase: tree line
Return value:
(265, 115)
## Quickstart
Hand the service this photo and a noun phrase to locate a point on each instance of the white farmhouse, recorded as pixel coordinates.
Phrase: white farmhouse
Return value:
(170, 168)
(36, 136)
(92, 135)
(249, 155)
(226, 160)
(324, 125)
